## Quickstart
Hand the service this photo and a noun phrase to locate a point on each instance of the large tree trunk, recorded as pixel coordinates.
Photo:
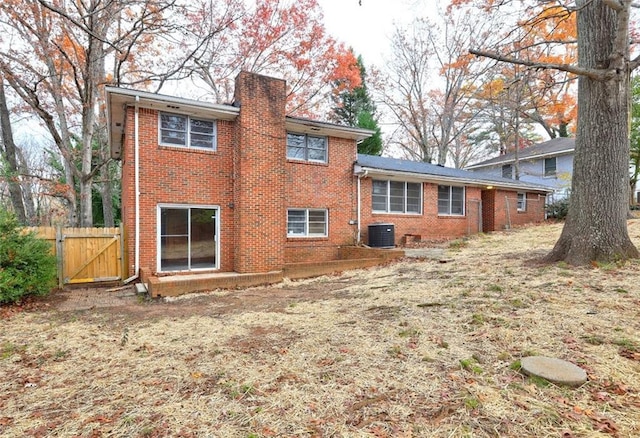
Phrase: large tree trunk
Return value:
(9, 155)
(596, 225)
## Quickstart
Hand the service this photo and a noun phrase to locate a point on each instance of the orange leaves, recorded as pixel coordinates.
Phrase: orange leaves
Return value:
(553, 23)
(286, 40)
(346, 71)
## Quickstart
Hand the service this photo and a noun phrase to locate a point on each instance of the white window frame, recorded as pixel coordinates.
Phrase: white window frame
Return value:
(306, 148)
(505, 167)
(404, 197)
(188, 134)
(306, 232)
(522, 201)
(544, 167)
(450, 200)
(186, 206)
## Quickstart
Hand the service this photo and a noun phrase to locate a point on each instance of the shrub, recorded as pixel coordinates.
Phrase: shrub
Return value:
(27, 266)
(558, 209)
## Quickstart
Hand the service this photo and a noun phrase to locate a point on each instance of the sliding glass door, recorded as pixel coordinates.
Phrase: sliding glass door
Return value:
(187, 238)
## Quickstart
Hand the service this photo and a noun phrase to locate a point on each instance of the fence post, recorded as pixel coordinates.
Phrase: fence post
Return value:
(123, 267)
(60, 256)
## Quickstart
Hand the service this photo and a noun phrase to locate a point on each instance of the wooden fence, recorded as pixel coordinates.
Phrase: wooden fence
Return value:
(85, 255)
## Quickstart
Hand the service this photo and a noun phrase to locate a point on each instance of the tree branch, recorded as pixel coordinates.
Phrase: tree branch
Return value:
(598, 75)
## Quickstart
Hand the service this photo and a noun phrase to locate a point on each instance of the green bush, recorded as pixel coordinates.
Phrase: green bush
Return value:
(27, 266)
(558, 209)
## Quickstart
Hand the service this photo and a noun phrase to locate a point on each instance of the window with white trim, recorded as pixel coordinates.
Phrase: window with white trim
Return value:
(187, 238)
(307, 222)
(305, 147)
(451, 200)
(185, 131)
(522, 201)
(396, 197)
(507, 171)
(550, 166)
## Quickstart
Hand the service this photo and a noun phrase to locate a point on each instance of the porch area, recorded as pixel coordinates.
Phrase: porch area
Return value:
(351, 257)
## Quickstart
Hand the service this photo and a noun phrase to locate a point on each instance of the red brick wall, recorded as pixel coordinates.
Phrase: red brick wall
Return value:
(488, 210)
(259, 174)
(249, 178)
(175, 175)
(505, 200)
(330, 186)
(428, 225)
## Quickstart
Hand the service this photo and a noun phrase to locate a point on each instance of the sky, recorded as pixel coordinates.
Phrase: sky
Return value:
(367, 28)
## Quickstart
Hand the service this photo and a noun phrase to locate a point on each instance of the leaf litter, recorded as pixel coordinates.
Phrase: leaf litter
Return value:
(415, 348)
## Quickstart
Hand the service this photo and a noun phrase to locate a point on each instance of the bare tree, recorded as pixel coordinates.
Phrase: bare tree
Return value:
(406, 93)
(10, 160)
(55, 56)
(432, 85)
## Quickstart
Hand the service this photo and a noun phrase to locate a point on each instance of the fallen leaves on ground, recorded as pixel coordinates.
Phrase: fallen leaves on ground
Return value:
(415, 348)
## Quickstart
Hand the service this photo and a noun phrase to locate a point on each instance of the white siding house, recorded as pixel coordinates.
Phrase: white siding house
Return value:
(549, 163)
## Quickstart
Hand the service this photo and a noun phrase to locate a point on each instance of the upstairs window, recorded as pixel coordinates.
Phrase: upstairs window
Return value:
(396, 197)
(507, 171)
(522, 202)
(550, 166)
(306, 222)
(179, 130)
(305, 147)
(451, 200)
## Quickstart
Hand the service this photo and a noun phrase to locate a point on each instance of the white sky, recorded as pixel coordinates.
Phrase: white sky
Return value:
(367, 28)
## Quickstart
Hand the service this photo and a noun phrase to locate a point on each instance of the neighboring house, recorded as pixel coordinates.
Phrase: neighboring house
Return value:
(549, 163)
(244, 192)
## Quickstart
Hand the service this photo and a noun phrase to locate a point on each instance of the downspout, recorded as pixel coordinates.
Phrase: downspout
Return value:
(136, 149)
(360, 176)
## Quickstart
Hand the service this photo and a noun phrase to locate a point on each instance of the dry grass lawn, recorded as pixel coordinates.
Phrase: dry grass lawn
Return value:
(418, 348)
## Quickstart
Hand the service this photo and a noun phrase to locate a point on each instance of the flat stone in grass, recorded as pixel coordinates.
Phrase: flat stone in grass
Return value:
(554, 370)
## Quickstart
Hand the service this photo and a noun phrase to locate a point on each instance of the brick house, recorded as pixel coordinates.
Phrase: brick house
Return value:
(431, 201)
(226, 195)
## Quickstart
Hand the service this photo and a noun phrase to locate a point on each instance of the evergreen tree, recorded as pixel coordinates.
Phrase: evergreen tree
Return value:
(373, 144)
(356, 108)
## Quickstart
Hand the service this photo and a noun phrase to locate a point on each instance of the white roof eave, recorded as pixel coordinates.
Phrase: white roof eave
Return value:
(527, 158)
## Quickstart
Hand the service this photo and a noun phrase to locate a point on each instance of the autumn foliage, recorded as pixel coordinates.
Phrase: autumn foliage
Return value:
(287, 41)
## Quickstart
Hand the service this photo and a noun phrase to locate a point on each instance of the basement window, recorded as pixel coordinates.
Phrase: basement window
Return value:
(307, 222)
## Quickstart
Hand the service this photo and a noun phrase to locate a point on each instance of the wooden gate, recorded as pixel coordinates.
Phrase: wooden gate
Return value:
(85, 255)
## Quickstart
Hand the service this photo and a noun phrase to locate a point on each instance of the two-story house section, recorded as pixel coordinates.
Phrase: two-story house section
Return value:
(245, 192)
(549, 163)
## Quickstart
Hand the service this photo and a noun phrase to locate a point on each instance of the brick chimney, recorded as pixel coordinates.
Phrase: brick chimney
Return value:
(259, 174)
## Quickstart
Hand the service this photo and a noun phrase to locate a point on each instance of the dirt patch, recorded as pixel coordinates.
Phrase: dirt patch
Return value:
(414, 348)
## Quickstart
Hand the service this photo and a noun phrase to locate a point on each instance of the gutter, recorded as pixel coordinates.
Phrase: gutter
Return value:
(526, 158)
(222, 111)
(440, 179)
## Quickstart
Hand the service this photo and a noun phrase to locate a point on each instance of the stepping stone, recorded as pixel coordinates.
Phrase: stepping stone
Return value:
(554, 370)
